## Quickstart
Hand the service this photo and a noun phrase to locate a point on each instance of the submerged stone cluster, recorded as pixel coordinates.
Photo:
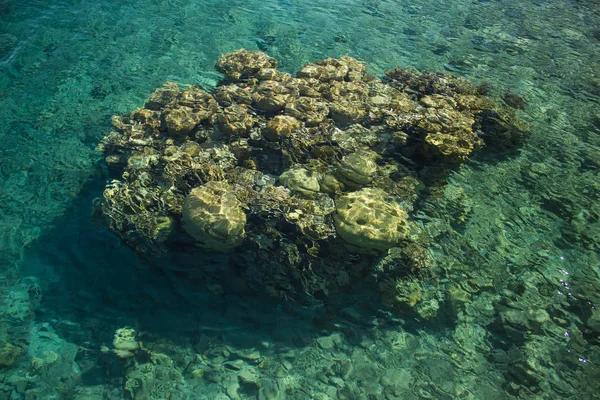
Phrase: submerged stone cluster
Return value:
(307, 182)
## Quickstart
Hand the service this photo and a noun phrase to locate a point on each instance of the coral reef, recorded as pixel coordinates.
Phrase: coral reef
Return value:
(305, 181)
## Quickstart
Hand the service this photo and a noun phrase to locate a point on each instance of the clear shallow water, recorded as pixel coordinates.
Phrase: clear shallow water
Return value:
(528, 242)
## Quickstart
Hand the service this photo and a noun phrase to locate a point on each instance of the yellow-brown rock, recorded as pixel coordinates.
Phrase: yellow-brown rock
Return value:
(268, 74)
(358, 168)
(244, 63)
(233, 94)
(214, 217)
(272, 96)
(125, 343)
(181, 120)
(308, 109)
(346, 113)
(203, 103)
(301, 180)
(450, 132)
(280, 127)
(236, 120)
(332, 69)
(370, 220)
(162, 96)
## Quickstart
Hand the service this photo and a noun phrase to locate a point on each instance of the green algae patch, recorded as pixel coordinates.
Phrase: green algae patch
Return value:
(307, 182)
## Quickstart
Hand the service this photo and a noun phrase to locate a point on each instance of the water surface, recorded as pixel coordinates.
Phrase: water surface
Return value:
(521, 231)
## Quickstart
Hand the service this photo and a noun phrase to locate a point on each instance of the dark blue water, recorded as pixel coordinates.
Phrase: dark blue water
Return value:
(516, 238)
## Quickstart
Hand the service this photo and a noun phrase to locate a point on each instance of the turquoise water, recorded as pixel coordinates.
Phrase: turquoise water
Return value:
(519, 233)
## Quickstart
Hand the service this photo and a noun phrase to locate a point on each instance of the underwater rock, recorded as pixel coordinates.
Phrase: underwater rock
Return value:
(358, 168)
(330, 184)
(233, 94)
(249, 376)
(136, 213)
(162, 96)
(370, 220)
(244, 63)
(180, 120)
(458, 98)
(52, 360)
(236, 120)
(203, 103)
(19, 303)
(333, 69)
(271, 390)
(305, 181)
(356, 137)
(329, 342)
(449, 132)
(213, 216)
(346, 113)
(308, 109)
(531, 320)
(458, 297)
(300, 180)
(520, 324)
(192, 107)
(272, 96)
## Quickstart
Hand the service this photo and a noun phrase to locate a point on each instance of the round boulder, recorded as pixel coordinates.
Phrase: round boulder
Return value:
(370, 220)
(280, 126)
(301, 180)
(214, 216)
